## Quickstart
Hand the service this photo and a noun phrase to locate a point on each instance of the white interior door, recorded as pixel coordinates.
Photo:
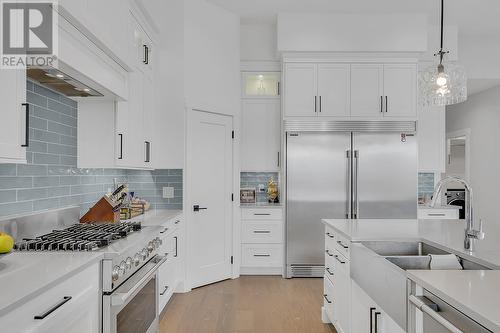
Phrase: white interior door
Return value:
(209, 178)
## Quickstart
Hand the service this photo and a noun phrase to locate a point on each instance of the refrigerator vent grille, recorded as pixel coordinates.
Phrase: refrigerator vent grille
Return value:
(306, 271)
(350, 126)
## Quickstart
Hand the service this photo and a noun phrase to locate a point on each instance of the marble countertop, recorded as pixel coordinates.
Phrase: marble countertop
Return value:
(156, 217)
(25, 275)
(424, 206)
(470, 292)
(261, 205)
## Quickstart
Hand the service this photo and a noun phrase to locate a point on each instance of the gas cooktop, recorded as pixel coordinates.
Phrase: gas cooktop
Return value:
(79, 237)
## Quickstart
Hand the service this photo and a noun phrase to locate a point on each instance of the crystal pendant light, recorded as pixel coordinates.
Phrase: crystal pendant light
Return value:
(445, 83)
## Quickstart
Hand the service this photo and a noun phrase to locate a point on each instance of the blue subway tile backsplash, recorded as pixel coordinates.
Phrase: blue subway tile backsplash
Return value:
(51, 178)
(425, 184)
(254, 179)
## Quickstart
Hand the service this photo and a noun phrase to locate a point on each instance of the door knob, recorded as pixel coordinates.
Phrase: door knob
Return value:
(197, 208)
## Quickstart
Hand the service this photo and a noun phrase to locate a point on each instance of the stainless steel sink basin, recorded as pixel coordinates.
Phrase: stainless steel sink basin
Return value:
(389, 248)
(379, 268)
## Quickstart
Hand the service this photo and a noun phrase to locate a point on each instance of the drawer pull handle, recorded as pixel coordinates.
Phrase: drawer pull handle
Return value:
(164, 291)
(340, 261)
(329, 271)
(54, 308)
(261, 255)
(328, 252)
(330, 235)
(163, 231)
(261, 214)
(326, 299)
(344, 246)
(177, 222)
(261, 232)
(436, 214)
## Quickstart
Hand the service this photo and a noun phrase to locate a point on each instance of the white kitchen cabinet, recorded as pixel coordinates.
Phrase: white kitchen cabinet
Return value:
(13, 127)
(260, 135)
(260, 84)
(400, 90)
(262, 241)
(300, 90)
(367, 316)
(316, 90)
(333, 90)
(367, 90)
(431, 139)
(78, 312)
(342, 293)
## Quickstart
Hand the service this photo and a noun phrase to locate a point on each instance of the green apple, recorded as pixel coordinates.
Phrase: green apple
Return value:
(6, 243)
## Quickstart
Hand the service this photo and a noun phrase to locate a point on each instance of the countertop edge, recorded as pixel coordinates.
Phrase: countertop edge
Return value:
(456, 304)
(12, 306)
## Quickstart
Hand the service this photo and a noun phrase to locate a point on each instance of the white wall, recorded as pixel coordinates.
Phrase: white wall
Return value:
(480, 55)
(258, 42)
(481, 113)
(211, 58)
(327, 32)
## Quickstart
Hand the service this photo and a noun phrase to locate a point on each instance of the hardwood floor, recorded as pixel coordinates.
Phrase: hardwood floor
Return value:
(262, 304)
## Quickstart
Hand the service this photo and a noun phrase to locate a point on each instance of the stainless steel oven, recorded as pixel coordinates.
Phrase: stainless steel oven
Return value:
(133, 305)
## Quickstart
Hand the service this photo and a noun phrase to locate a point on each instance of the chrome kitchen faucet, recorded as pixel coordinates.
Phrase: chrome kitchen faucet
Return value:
(470, 232)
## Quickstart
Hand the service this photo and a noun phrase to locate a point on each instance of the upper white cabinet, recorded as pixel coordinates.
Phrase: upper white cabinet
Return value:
(260, 135)
(362, 91)
(384, 90)
(432, 139)
(333, 90)
(400, 90)
(300, 90)
(316, 90)
(367, 90)
(14, 132)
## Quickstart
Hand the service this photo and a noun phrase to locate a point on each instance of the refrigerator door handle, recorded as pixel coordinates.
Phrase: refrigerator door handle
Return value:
(349, 185)
(355, 185)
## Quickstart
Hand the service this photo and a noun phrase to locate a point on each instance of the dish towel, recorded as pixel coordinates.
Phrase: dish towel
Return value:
(445, 262)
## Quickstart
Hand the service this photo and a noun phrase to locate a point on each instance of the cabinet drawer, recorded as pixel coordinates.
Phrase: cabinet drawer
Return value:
(330, 265)
(330, 239)
(436, 213)
(262, 232)
(342, 245)
(262, 214)
(78, 298)
(262, 255)
(328, 298)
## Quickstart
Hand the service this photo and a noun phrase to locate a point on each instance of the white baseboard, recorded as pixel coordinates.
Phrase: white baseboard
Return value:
(261, 270)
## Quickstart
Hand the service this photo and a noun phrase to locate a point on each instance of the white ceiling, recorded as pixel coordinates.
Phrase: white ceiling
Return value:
(475, 86)
(472, 16)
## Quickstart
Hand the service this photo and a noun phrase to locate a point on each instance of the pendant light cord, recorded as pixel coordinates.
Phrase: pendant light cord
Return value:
(441, 52)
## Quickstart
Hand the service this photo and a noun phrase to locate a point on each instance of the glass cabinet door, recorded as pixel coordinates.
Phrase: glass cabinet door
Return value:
(263, 84)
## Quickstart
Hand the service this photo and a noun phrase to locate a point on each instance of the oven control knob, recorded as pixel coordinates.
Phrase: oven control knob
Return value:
(115, 274)
(128, 263)
(151, 247)
(144, 254)
(123, 267)
(137, 259)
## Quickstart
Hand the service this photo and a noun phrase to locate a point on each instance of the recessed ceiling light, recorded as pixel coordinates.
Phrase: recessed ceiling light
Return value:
(60, 76)
(49, 75)
(86, 89)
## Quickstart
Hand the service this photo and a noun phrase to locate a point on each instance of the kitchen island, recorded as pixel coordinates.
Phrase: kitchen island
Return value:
(376, 287)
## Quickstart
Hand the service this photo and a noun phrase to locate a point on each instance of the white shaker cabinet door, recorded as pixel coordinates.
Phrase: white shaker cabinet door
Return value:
(13, 126)
(300, 95)
(260, 135)
(400, 90)
(367, 90)
(334, 90)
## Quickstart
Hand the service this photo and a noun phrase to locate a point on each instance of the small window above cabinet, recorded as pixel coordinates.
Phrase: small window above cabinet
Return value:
(261, 85)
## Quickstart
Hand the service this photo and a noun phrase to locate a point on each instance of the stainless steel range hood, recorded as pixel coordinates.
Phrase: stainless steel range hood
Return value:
(61, 82)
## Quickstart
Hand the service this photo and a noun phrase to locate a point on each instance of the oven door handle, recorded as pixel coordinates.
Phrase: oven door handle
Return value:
(122, 298)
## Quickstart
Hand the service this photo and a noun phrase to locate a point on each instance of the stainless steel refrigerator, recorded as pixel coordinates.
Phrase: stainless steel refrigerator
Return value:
(343, 175)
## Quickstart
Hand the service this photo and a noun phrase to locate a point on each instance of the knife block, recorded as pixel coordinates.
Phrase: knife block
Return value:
(101, 212)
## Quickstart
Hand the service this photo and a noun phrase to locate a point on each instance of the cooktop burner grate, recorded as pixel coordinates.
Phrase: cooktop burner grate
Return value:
(79, 237)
